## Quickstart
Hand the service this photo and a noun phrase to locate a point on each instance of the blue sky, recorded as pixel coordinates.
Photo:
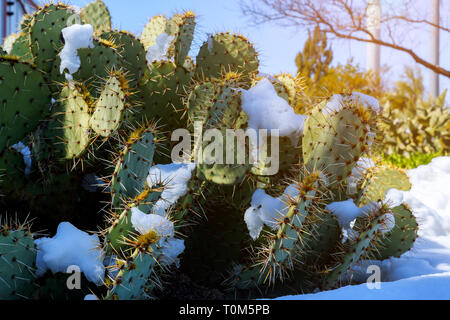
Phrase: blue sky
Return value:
(277, 45)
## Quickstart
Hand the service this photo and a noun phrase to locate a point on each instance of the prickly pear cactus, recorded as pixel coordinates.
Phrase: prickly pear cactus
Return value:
(94, 137)
(17, 265)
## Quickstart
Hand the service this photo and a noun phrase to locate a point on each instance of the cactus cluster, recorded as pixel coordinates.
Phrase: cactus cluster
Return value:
(113, 118)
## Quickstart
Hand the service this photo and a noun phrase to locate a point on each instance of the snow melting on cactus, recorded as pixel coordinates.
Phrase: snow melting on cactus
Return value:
(174, 177)
(267, 210)
(26, 153)
(171, 248)
(346, 212)
(267, 110)
(9, 42)
(71, 247)
(159, 50)
(424, 271)
(144, 223)
(76, 37)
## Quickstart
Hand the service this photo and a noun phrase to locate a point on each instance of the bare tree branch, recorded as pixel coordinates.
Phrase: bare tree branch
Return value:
(346, 19)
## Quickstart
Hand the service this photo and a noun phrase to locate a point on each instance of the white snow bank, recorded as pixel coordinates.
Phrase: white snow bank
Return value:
(423, 272)
(26, 153)
(175, 178)
(267, 110)
(267, 210)
(428, 287)
(71, 247)
(159, 50)
(76, 37)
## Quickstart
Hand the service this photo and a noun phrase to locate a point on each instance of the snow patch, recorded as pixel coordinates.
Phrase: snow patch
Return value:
(71, 247)
(171, 248)
(267, 210)
(76, 37)
(26, 153)
(267, 110)
(144, 223)
(9, 43)
(174, 177)
(159, 50)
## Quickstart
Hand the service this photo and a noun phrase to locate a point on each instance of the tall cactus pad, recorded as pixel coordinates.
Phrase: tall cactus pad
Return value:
(401, 239)
(109, 109)
(130, 177)
(97, 14)
(70, 127)
(17, 263)
(130, 283)
(379, 180)
(162, 90)
(225, 52)
(184, 38)
(25, 100)
(335, 138)
(46, 39)
(281, 250)
(357, 250)
(131, 54)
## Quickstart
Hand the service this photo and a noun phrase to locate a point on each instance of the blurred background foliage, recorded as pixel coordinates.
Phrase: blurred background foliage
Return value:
(414, 129)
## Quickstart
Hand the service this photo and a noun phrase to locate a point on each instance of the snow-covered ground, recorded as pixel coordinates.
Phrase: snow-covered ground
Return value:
(424, 272)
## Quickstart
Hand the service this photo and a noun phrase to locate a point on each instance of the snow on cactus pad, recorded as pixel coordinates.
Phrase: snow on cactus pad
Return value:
(71, 247)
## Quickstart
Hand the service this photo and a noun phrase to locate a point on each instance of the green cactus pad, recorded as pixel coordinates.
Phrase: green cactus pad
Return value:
(25, 100)
(45, 33)
(17, 264)
(69, 129)
(333, 141)
(356, 251)
(381, 179)
(21, 48)
(225, 52)
(130, 283)
(96, 14)
(130, 176)
(184, 38)
(401, 239)
(131, 54)
(162, 90)
(109, 109)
